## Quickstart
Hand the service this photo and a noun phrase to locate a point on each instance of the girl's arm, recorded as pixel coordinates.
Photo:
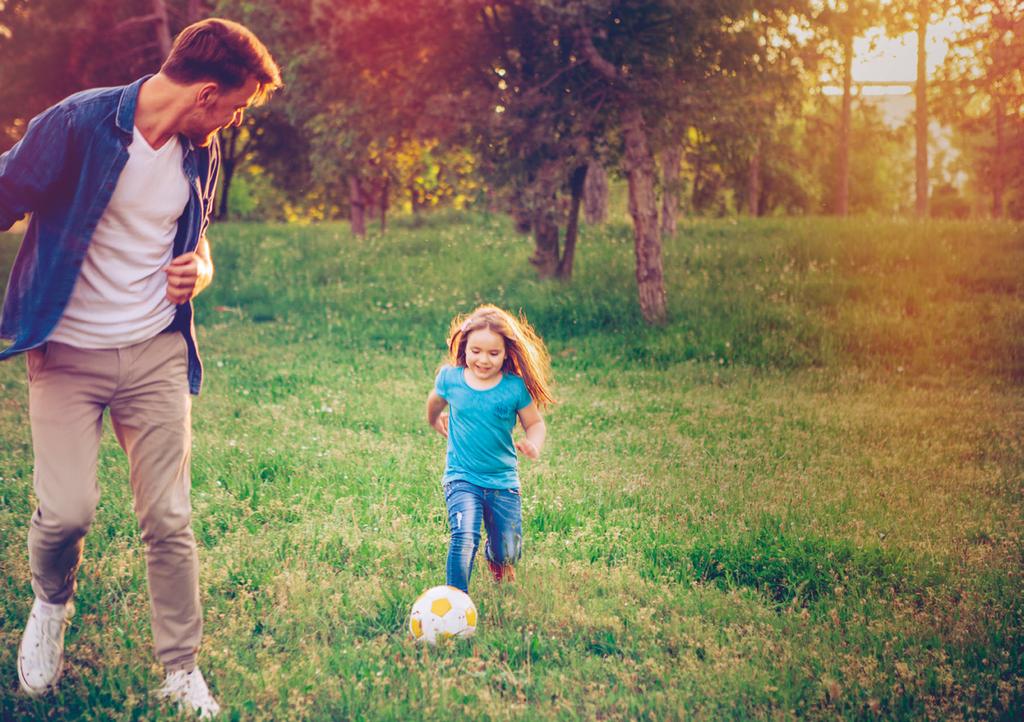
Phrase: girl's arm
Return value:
(439, 421)
(536, 431)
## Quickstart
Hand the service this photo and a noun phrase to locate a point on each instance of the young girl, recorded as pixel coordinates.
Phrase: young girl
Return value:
(498, 370)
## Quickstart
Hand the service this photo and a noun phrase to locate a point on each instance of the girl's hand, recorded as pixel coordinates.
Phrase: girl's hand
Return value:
(442, 424)
(528, 449)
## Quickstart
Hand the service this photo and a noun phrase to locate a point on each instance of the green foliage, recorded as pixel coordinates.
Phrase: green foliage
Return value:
(881, 161)
(982, 89)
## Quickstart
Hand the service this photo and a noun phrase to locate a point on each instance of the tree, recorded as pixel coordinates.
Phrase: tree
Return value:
(538, 127)
(36, 41)
(745, 116)
(638, 162)
(595, 193)
(653, 58)
(880, 169)
(50, 50)
(368, 96)
(510, 91)
(844, 21)
(311, 139)
(982, 85)
(921, 111)
(916, 15)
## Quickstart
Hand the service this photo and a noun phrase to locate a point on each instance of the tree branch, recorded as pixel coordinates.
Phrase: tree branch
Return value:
(138, 20)
(602, 66)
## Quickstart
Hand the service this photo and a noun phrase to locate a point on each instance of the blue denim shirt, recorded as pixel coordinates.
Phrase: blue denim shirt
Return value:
(64, 171)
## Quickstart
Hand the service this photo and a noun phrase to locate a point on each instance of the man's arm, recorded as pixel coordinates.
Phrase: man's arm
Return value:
(30, 170)
(189, 273)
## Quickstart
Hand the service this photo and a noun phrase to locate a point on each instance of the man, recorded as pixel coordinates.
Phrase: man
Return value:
(120, 184)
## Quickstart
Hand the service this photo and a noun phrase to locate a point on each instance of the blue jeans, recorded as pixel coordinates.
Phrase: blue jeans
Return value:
(500, 510)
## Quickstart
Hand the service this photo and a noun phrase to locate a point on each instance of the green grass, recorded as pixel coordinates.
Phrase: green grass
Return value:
(800, 497)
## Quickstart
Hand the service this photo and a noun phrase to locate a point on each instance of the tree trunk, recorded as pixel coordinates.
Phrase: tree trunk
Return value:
(595, 194)
(643, 208)
(999, 161)
(225, 191)
(698, 175)
(229, 162)
(754, 183)
(577, 184)
(545, 253)
(643, 203)
(921, 111)
(522, 216)
(670, 189)
(162, 28)
(414, 198)
(385, 189)
(357, 205)
(842, 203)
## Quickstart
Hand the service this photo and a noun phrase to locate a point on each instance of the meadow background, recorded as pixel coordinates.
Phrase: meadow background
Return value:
(802, 497)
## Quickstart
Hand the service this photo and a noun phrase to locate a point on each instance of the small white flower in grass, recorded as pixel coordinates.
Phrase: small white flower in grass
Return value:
(232, 442)
(326, 409)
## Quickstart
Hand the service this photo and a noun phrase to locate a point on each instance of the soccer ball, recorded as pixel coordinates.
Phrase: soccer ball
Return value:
(442, 612)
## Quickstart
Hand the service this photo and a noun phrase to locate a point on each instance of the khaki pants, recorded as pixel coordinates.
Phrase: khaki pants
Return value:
(145, 386)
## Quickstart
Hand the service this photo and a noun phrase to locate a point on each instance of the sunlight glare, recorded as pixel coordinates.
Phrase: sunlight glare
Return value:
(881, 58)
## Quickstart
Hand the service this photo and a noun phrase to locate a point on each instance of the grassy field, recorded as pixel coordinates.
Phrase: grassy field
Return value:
(800, 498)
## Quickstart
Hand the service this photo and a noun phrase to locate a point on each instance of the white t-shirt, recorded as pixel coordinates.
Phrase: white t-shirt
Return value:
(120, 296)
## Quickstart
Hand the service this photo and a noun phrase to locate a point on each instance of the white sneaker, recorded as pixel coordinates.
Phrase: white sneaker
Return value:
(189, 690)
(41, 654)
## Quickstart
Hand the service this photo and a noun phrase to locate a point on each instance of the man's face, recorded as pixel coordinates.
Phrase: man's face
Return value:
(218, 107)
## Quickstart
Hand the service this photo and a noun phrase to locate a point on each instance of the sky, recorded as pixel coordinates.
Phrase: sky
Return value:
(880, 58)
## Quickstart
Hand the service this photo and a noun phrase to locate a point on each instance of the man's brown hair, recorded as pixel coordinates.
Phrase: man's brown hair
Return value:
(225, 52)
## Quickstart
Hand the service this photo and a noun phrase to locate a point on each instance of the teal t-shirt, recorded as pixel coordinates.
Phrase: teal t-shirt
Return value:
(480, 424)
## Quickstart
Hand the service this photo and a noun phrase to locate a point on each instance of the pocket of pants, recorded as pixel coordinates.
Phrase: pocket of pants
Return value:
(450, 487)
(35, 361)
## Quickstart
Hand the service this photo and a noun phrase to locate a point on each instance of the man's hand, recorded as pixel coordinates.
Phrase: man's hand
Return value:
(187, 275)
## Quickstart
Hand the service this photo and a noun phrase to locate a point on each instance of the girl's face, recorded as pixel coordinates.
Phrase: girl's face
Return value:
(485, 353)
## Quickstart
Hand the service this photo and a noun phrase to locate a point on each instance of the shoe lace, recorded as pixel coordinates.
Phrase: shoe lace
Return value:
(51, 630)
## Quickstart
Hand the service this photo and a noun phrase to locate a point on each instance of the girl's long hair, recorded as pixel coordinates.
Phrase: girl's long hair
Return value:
(525, 353)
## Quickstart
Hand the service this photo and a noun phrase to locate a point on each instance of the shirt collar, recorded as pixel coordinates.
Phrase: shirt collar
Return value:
(125, 117)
